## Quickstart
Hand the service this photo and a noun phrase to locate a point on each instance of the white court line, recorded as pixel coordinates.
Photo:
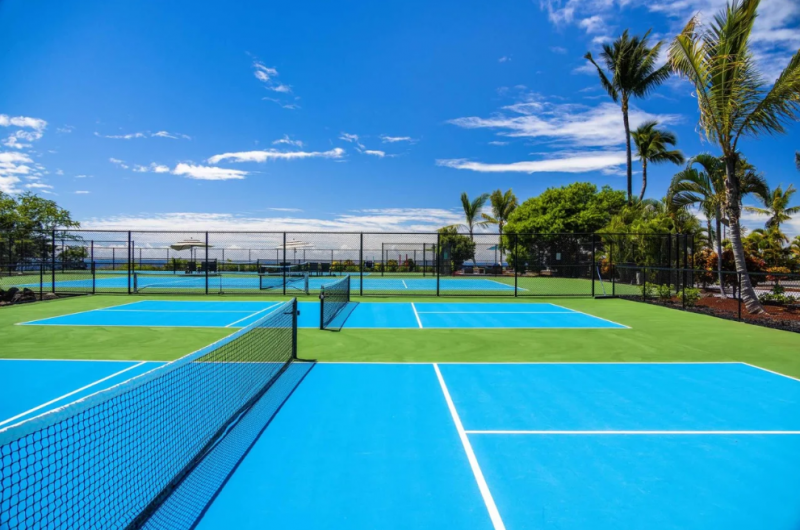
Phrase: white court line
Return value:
(76, 313)
(770, 371)
(9, 420)
(494, 514)
(416, 315)
(404, 284)
(500, 313)
(169, 311)
(640, 433)
(590, 315)
(253, 314)
(82, 360)
(511, 287)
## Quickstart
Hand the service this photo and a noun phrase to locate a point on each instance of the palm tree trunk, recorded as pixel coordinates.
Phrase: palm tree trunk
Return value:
(719, 254)
(733, 208)
(628, 146)
(644, 178)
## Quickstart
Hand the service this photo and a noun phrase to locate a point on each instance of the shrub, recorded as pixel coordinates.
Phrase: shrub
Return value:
(691, 296)
(779, 274)
(664, 292)
(776, 296)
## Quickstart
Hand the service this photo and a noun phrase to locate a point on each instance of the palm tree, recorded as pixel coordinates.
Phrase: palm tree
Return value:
(734, 102)
(797, 160)
(776, 206)
(632, 72)
(472, 211)
(705, 188)
(503, 205)
(652, 147)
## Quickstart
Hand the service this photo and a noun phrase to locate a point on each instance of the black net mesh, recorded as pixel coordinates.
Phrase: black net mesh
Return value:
(333, 300)
(153, 451)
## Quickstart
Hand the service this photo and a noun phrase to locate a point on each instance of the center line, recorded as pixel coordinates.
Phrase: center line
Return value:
(416, 314)
(494, 513)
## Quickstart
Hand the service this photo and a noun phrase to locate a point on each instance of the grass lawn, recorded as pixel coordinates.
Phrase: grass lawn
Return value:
(657, 334)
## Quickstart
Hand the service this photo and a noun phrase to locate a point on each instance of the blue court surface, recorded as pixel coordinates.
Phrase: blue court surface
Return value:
(500, 446)
(365, 315)
(157, 281)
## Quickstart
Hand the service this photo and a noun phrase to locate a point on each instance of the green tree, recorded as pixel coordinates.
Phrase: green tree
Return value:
(776, 206)
(472, 211)
(734, 101)
(26, 221)
(503, 205)
(705, 188)
(461, 248)
(652, 146)
(632, 72)
(577, 208)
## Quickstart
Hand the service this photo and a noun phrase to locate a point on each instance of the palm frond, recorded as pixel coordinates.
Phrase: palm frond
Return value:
(604, 81)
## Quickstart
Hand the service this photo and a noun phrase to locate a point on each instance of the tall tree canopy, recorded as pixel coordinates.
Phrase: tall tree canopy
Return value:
(577, 207)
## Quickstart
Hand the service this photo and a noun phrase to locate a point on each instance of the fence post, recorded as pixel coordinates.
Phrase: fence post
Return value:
(516, 263)
(128, 260)
(283, 264)
(438, 259)
(361, 265)
(644, 283)
(611, 268)
(41, 278)
(739, 289)
(593, 264)
(206, 262)
(53, 263)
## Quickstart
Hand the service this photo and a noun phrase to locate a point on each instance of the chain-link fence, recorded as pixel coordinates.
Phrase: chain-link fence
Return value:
(382, 263)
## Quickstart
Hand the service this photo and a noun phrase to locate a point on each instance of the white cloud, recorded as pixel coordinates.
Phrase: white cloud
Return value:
(775, 36)
(593, 24)
(267, 76)
(495, 142)
(174, 136)
(567, 123)
(504, 59)
(273, 154)
(118, 162)
(81, 192)
(285, 209)
(352, 138)
(284, 89)
(66, 129)
(152, 168)
(579, 162)
(129, 136)
(82, 176)
(287, 141)
(558, 49)
(39, 186)
(146, 134)
(585, 68)
(208, 173)
(367, 220)
(59, 172)
(14, 165)
(394, 139)
(379, 154)
(264, 73)
(22, 122)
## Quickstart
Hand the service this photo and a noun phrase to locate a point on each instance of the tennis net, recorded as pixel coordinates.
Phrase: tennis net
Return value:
(333, 299)
(169, 280)
(292, 280)
(151, 452)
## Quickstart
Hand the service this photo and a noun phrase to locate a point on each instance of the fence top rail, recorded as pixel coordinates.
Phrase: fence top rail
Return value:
(122, 231)
(704, 271)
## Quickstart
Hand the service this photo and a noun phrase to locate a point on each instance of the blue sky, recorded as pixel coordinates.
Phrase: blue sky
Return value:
(333, 116)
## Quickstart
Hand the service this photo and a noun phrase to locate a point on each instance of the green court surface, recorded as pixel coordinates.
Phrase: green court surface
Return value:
(656, 334)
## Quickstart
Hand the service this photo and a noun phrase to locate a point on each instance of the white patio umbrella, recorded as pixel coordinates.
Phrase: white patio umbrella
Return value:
(189, 244)
(295, 245)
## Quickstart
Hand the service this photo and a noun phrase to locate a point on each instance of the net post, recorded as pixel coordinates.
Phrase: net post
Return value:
(322, 307)
(283, 264)
(205, 266)
(294, 328)
(361, 265)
